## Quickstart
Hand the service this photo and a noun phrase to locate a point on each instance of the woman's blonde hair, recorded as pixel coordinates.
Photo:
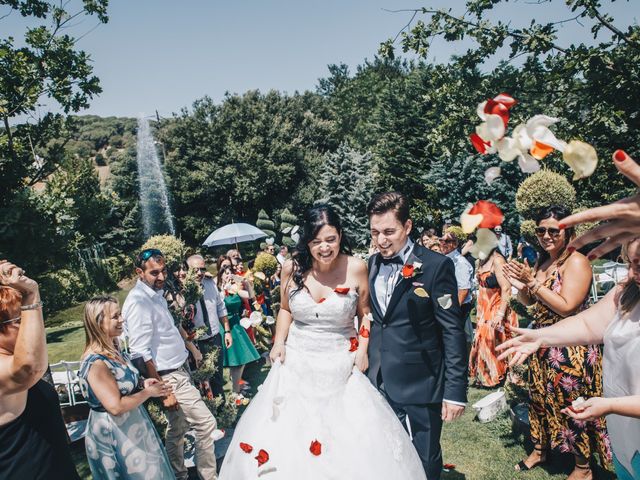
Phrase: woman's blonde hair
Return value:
(630, 291)
(95, 311)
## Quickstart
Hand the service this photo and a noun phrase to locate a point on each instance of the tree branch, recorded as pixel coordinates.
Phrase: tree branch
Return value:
(619, 33)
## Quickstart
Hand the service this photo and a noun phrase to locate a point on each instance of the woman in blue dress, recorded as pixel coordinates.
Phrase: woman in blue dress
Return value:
(121, 441)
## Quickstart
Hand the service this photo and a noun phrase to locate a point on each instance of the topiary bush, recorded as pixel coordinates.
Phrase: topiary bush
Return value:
(542, 189)
(265, 263)
(265, 224)
(171, 247)
(287, 222)
(527, 230)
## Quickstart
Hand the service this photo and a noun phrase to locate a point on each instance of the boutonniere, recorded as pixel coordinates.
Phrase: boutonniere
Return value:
(410, 270)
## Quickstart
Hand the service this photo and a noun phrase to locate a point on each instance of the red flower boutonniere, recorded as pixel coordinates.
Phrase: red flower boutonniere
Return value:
(364, 332)
(408, 271)
(315, 448)
(342, 290)
(354, 344)
(263, 457)
(246, 448)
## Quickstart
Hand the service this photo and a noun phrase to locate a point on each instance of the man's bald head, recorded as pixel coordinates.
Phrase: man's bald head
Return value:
(196, 262)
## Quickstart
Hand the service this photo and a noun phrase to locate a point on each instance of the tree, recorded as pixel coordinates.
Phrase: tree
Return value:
(265, 224)
(347, 183)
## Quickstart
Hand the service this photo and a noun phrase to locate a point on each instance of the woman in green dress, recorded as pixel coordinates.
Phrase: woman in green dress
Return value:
(242, 350)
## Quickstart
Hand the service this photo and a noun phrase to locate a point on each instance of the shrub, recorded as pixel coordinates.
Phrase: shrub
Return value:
(458, 232)
(62, 288)
(265, 224)
(265, 263)
(542, 189)
(527, 230)
(171, 247)
(118, 267)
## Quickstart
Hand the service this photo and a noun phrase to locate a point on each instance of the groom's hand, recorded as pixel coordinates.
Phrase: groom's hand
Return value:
(451, 411)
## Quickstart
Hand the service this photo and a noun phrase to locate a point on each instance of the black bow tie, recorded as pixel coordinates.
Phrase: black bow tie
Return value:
(389, 261)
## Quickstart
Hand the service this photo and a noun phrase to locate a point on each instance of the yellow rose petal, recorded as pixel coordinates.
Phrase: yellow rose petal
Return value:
(421, 292)
(581, 157)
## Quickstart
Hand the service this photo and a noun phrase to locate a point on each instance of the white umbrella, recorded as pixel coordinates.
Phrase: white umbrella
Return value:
(233, 233)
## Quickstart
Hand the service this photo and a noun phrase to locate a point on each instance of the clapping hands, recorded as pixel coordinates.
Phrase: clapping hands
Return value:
(519, 274)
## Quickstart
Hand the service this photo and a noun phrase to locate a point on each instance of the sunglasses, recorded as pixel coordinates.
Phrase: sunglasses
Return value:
(150, 252)
(553, 232)
(13, 320)
(202, 269)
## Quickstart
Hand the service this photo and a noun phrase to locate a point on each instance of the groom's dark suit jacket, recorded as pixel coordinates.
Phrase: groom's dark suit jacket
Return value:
(419, 346)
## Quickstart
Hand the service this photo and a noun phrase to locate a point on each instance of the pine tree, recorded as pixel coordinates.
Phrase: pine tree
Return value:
(347, 184)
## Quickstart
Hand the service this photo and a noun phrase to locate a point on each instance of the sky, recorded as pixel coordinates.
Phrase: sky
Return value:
(164, 54)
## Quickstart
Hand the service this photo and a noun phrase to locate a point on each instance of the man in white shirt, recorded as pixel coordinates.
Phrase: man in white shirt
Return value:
(464, 278)
(504, 243)
(210, 312)
(155, 340)
(282, 254)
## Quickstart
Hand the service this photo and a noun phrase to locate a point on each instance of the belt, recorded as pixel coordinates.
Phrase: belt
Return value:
(168, 371)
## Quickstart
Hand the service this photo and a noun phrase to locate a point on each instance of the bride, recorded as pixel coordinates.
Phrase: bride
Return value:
(317, 416)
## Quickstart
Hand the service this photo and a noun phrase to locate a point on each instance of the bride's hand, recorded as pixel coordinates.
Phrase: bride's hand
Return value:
(362, 361)
(277, 352)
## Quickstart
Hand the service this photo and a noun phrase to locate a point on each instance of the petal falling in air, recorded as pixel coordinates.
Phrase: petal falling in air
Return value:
(469, 222)
(581, 157)
(485, 242)
(491, 174)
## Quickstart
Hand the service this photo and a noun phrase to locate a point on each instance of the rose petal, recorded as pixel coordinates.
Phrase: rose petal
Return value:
(342, 290)
(445, 301)
(469, 222)
(494, 108)
(260, 275)
(269, 320)
(256, 318)
(246, 447)
(581, 157)
(354, 344)
(491, 130)
(363, 332)
(491, 173)
(480, 110)
(263, 457)
(522, 138)
(528, 164)
(485, 242)
(505, 99)
(421, 292)
(492, 216)
(315, 448)
(479, 144)
(245, 322)
(538, 130)
(508, 149)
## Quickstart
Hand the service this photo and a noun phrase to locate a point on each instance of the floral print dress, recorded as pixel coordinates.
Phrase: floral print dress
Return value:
(557, 377)
(124, 446)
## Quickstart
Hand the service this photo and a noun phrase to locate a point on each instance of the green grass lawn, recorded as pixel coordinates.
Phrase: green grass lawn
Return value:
(479, 451)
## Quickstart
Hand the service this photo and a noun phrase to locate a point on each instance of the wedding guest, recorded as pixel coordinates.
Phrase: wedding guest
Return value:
(493, 315)
(156, 342)
(464, 277)
(614, 321)
(33, 438)
(234, 256)
(282, 255)
(210, 312)
(121, 442)
(557, 287)
(275, 278)
(241, 351)
(269, 248)
(504, 243)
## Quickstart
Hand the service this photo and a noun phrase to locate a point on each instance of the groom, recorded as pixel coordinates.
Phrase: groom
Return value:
(417, 345)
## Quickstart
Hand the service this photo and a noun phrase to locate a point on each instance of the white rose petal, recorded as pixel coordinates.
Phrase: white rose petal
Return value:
(470, 222)
(508, 149)
(485, 242)
(528, 164)
(491, 173)
(581, 157)
(480, 110)
(270, 320)
(255, 318)
(445, 301)
(245, 322)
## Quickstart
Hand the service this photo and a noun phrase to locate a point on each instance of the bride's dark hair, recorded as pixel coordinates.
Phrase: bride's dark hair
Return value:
(314, 219)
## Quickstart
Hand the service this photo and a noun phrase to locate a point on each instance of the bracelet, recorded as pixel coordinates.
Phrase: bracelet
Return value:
(33, 306)
(227, 331)
(537, 286)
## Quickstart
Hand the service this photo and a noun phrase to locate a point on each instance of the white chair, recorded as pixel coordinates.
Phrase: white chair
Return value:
(605, 277)
(65, 374)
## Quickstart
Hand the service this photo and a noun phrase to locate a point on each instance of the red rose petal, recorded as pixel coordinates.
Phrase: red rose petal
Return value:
(342, 290)
(315, 448)
(354, 344)
(263, 457)
(321, 300)
(364, 332)
(246, 448)
(492, 216)
(479, 144)
(449, 466)
(495, 108)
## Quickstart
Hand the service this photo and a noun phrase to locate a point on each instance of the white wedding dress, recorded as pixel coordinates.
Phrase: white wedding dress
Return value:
(317, 395)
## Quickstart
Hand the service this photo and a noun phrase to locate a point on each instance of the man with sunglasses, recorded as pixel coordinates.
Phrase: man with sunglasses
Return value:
(156, 343)
(210, 312)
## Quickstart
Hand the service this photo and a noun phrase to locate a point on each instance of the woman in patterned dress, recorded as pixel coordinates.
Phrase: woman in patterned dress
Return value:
(614, 321)
(120, 440)
(493, 314)
(556, 288)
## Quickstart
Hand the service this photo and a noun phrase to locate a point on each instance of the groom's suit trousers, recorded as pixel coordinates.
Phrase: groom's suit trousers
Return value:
(425, 423)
